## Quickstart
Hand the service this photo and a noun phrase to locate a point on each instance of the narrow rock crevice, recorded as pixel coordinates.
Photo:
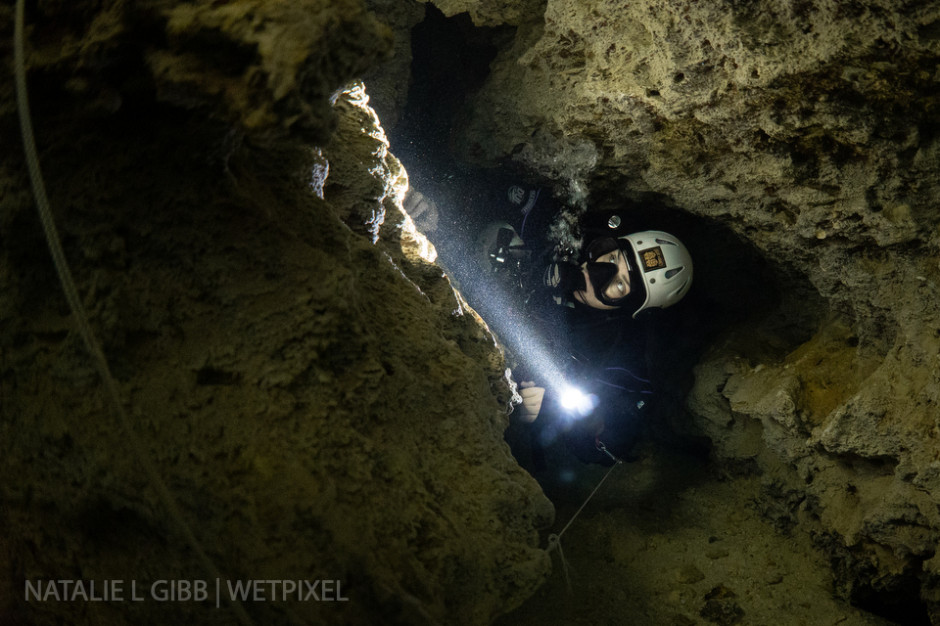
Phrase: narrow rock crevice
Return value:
(795, 152)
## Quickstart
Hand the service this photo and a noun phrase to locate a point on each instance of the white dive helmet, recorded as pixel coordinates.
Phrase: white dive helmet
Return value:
(665, 266)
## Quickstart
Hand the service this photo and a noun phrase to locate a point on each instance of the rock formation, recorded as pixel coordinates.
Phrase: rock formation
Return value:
(316, 397)
(324, 406)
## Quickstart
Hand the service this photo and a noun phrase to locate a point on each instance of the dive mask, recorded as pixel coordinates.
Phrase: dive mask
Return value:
(602, 273)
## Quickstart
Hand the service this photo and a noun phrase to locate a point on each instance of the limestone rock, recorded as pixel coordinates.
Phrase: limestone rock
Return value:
(268, 63)
(267, 67)
(721, 608)
(321, 403)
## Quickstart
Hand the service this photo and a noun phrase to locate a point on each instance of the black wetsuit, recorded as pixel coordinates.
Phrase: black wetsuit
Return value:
(600, 352)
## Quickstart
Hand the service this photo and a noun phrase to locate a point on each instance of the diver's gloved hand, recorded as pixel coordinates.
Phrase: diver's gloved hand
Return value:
(531, 400)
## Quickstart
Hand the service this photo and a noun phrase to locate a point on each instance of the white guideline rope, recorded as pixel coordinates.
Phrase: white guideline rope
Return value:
(81, 318)
(554, 541)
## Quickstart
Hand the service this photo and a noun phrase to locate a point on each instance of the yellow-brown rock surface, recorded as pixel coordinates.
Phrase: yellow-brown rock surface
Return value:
(317, 398)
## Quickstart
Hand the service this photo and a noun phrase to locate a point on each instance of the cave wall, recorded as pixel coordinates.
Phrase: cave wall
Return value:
(811, 129)
(319, 400)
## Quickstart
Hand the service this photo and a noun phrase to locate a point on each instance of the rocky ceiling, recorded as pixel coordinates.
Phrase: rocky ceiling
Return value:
(319, 401)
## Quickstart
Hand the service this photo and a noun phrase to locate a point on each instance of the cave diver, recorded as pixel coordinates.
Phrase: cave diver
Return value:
(621, 274)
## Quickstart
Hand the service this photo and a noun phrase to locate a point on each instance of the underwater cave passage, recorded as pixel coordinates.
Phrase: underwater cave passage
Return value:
(450, 61)
(496, 231)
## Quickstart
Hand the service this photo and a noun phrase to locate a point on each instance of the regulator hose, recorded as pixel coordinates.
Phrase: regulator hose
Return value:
(81, 317)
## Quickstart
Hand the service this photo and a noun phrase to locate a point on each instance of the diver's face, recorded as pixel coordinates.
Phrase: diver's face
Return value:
(618, 287)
